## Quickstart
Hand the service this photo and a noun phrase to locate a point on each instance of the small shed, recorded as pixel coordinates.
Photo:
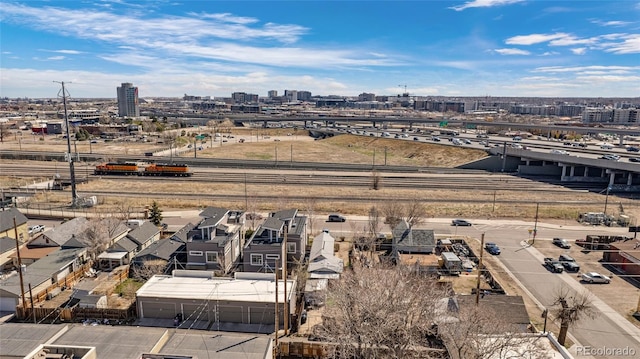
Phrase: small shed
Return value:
(451, 262)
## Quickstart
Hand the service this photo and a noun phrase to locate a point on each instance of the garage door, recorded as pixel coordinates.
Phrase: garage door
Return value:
(8, 304)
(261, 315)
(195, 311)
(158, 310)
(231, 314)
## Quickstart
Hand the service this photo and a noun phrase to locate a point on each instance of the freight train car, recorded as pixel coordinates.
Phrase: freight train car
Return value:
(113, 168)
(164, 169)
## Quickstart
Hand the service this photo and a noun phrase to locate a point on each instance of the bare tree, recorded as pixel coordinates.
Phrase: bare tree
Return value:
(393, 213)
(147, 269)
(381, 312)
(96, 238)
(479, 332)
(413, 212)
(310, 205)
(571, 307)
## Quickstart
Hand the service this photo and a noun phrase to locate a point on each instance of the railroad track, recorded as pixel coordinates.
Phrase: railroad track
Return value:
(471, 181)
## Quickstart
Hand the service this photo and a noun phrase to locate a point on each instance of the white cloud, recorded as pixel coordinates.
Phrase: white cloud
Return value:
(557, 69)
(630, 45)
(579, 50)
(484, 3)
(208, 37)
(67, 52)
(512, 52)
(615, 23)
(533, 38)
(56, 58)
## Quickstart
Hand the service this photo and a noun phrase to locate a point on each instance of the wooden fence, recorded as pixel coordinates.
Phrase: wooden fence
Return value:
(75, 314)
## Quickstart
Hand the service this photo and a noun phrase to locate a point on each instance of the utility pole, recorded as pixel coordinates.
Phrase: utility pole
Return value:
(535, 226)
(15, 231)
(74, 195)
(479, 269)
(284, 277)
(277, 314)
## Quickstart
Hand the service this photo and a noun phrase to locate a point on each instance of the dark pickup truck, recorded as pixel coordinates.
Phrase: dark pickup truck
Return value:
(553, 265)
(569, 263)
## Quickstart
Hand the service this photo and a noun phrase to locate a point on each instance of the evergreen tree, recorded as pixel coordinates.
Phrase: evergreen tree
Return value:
(155, 214)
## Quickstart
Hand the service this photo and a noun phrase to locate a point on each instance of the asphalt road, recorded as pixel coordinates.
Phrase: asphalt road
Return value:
(526, 265)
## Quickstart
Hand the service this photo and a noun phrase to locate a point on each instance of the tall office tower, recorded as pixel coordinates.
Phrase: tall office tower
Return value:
(272, 93)
(128, 100)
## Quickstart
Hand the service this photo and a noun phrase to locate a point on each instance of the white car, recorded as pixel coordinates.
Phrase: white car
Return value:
(593, 277)
(36, 229)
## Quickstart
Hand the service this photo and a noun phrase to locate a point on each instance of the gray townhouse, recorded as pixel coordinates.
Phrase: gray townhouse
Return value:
(216, 242)
(263, 251)
(123, 251)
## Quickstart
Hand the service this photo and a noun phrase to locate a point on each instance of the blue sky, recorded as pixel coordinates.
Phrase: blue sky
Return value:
(213, 48)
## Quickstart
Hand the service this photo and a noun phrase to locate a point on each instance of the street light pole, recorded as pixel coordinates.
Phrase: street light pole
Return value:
(535, 226)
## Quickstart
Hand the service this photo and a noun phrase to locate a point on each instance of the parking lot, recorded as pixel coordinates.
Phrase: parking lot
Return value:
(620, 294)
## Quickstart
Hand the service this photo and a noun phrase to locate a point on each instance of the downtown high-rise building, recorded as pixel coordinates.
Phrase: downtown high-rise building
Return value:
(128, 100)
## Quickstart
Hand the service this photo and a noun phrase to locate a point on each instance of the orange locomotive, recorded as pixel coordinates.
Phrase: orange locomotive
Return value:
(112, 168)
(164, 169)
(128, 168)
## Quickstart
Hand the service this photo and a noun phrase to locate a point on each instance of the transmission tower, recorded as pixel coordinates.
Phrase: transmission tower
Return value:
(68, 156)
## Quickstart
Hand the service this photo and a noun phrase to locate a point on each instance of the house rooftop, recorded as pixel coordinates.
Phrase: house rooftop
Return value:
(143, 233)
(6, 219)
(21, 339)
(162, 249)
(201, 285)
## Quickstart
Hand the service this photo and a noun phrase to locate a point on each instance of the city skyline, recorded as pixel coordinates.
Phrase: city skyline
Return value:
(499, 48)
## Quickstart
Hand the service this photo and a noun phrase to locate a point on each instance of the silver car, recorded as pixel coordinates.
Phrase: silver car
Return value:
(593, 277)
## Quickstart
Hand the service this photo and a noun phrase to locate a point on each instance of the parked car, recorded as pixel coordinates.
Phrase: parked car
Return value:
(460, 222)
(610, 157)
(553, 265)
(593, 277)
(336, 218)
(492, 248)
(35, 229)
(561, 242)
(569, 263)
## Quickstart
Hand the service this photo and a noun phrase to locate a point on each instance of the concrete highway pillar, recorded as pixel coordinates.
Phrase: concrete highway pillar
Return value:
(612, 178)
(603, 172)
(586, 171)
(621, 140)
(629, 179)
(564, 171)
(572, 171)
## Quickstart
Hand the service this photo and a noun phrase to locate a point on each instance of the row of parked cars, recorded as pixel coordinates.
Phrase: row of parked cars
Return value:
(569, 264)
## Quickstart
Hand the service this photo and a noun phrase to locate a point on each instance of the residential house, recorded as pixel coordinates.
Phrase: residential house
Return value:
(7, 228)
(215, 243)
(123, 251)
(244, 303)
(168, 251)
(58, 236)
(323, 264)
(7, 248)
(263, 251)
(412, 240)
(53, 268)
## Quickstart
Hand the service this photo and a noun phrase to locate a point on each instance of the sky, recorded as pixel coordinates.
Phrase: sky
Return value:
(168, 48)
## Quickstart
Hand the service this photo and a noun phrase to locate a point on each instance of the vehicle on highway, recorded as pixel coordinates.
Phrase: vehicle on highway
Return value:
(492, 248)
(610, 157)
(569, 263)
(517, 146)
(336, 218)
(553, 265)
(634, 159)
(517, 138)
(456, 141)
(606, 146)
(561, 242)
(416, 138)
(633, 149)
(36, 229)
(560, 152)
(435, 138)
(593, 277)
(460, 222)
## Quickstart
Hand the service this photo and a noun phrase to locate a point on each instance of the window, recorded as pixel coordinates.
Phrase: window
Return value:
(212, 257)
(291, 247)
(256, 259)
(273, 256)
(195, 253)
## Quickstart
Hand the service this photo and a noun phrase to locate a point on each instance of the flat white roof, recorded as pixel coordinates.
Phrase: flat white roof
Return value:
(202, 288)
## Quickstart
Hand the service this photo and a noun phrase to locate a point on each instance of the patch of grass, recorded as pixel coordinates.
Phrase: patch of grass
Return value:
(128, 288)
